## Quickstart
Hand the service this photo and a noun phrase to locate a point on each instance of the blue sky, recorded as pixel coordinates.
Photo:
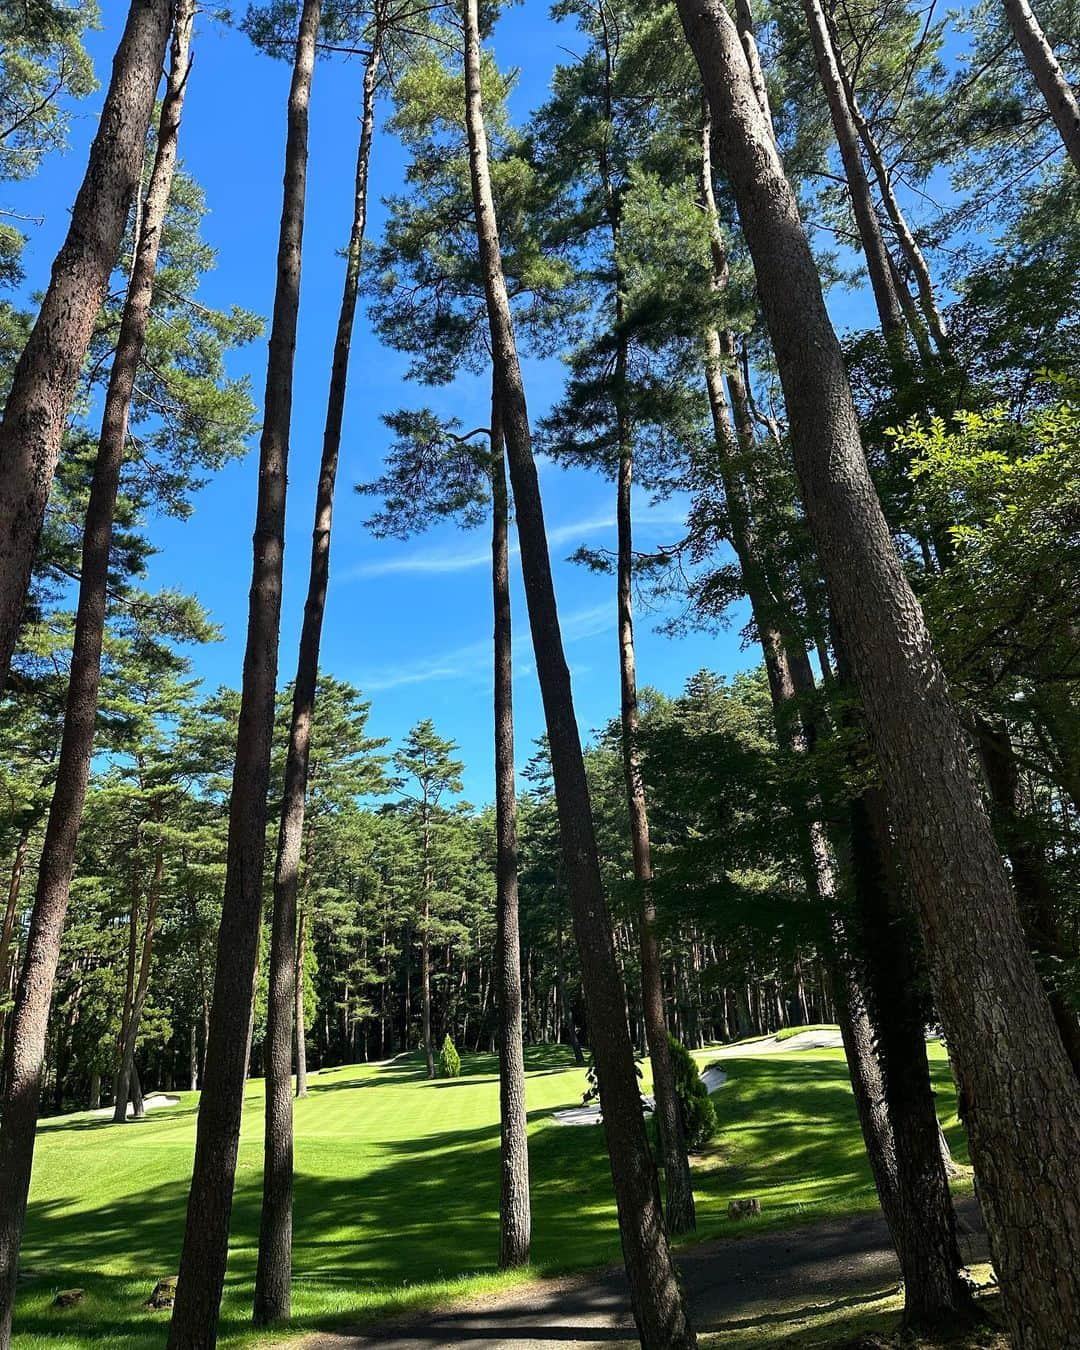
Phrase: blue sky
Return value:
(410, 624)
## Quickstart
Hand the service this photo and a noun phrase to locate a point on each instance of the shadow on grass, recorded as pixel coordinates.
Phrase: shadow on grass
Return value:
(418, 1210)
(81, 1123)
(786, 1316)
(424, 1209)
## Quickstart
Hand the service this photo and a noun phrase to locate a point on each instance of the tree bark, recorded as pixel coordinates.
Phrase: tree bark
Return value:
(924, 1222)
(875, 251)
(273, 1277)
(26, 1040)
(1047, 74)
(11, 909)
(1022, 1098)
(425, 947)
(298, 1019)
(655, 1296)
(134, 909)
(1031, 878)
(45, 377)
(206, 1235)
(515, 1219)
(126, 1075)
(679, 1211)
(744, 20)
(864, 1071)
(908, 243)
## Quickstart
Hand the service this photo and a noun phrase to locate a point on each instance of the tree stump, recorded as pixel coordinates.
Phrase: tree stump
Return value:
(164, 1295)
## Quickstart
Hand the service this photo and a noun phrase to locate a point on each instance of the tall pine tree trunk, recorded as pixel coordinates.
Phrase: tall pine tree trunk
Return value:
(425, 948)
(1060, 99)
(923, 1221)
(298, 1019)
(11, 908)
(126, 1078)
(29, 1021)
(206, 1235)
(875, 251)
(897, 1149)
(45, 377)
(654, 1289)
(679, 1211)
(1022, 1098)
(744, 20)
(1030, 872)
(273, 1277)
(909, 245)
(515, 1218)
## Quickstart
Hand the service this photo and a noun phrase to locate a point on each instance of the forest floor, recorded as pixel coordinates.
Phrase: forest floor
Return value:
(397, 1191)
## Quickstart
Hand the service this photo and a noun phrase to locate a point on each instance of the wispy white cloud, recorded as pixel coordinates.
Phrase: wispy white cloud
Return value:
(430, 562)
(420, 563)
(473, 661)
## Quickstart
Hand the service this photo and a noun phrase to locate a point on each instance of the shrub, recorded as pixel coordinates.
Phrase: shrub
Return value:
(698, 1112)
(449, 1059)
(592, 1079)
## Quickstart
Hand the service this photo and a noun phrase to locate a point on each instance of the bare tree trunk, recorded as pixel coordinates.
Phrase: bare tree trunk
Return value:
(44, 381)
(26, 1041)
(897, 1150)
(744, 20)
(890, 313)
(193, 1058)
(206, 1235)
(1047, 74)
(679, 1211)
(131, 1031)
(1022, 1097)
(907, 241)
(923, 1221)
(654, 1290)
(298, 1019)
(515, 1220)
(273, 1278)
(1031, 878)
(864, 1072)
(134, 909)
(425, 973)
(11, 909)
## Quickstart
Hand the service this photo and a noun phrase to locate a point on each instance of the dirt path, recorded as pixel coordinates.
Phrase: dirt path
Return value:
(750, 1281)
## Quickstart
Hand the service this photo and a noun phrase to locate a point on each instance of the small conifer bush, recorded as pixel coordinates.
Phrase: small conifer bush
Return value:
(449, 1059)
(698, 1112)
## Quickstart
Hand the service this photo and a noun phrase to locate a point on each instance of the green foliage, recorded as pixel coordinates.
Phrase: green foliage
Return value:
(44, 70)
(698, 1112)
(1005, 608)
(449, 1059)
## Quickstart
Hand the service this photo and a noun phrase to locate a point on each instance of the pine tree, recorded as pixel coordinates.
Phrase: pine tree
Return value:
(206, 1233)
(43, 384)
(655, 1296)
(1019, 1131)
(427, 772)
(22, 1084)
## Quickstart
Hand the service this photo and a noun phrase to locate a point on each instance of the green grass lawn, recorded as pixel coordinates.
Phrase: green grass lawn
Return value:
(397, 1190)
